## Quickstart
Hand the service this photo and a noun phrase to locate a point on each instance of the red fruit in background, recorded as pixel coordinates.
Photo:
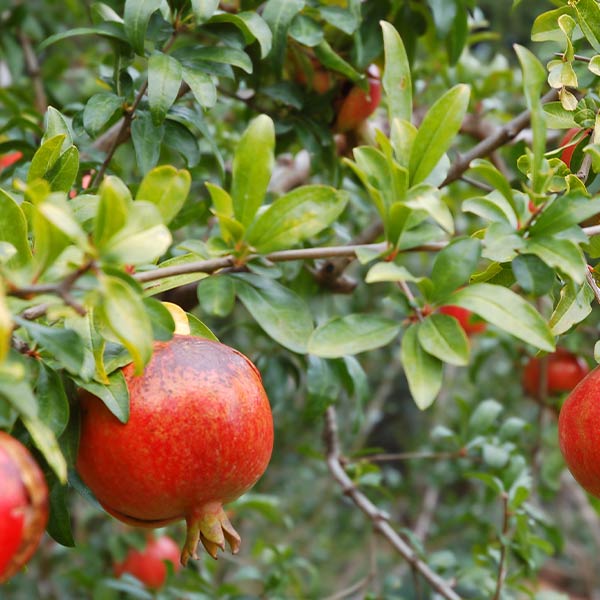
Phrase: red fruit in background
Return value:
(358, 105)
(579, 432)
(148, 565)
(10, 159)
(468, 321)
(200, 434)
(564, 371)
(23, 506)
(317, 78)
(569, 149)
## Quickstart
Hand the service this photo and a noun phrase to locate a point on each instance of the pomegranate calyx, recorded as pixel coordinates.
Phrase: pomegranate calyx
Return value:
(211, 526)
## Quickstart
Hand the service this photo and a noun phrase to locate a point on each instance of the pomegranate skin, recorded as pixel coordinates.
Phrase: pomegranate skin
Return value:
(200, 434)
(579, 432)
(564, 371)
(23, 506)
(465, 318)
(358, 105)
(148, 565)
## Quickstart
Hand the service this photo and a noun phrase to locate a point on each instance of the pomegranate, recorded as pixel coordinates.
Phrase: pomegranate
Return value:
(358, 104)
(148, 565)
(10, 159)
(200, 434)
(579, 432)
(23, 506)
(564, 371)
(580, 137)
(465, 317)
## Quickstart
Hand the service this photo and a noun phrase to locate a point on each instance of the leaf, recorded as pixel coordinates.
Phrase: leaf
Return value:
(493, 207)
(56, 124)
(396, 79)
(6, 325)
(147, 139)
(330, 59)
(506, 310)
(113, 209)
(533, 275)
(136, 16)
(164, 81)
(163, 325)
(573, 307)
(63, 344)
(45, 157)
(199, 329)
(484, 416)
(53, 405)
(13, 229)
(323, 386)
(252, 166)
(122, 310)
(167, 188)
(442, 336)
(295, 217)
(389, 271)
(64, 172)
(201, 85)
(47, 444)
(423, 371)
(252, 26)
(279, 14)
(437, 131)
(588, 18)
(352, 334)
(216, 295)
(113, 31)
(168, 283)
(115, 395)
(281, 313)
(454, 265)
(59, 522)
(204, 9)
(57, 211)
(222, 54)
(564, 255)
(100, 110)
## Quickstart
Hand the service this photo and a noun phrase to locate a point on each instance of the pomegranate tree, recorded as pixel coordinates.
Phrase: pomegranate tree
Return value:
(148, 564)
(23, 505)
(200, 434)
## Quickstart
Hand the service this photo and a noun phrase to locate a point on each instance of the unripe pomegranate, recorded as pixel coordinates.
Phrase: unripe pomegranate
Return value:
(200, 434)
(148, 565)
(358, 105)
(579, 432)
(564, 371)
(23, 506)
(465, 317)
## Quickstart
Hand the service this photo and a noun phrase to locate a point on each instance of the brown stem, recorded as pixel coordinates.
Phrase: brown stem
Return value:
(33, 70)
(377, 517)
(503, 549)
(412, 456)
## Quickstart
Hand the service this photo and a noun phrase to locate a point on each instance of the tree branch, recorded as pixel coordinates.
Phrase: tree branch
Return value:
(379, 520)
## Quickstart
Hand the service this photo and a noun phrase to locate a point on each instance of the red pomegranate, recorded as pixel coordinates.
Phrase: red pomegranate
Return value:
(465, 317)
(23, 506)
(148, 565)
(199, 435)
(564, 371)
(579, 432)
(358, 105)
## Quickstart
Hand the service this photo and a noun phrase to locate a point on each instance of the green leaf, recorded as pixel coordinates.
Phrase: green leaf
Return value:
(228, 56)
(307, 32)
(341, 18)
(45, 157)
(199, 329)
(216, 295)
(252, 26)
(295, 217)
(122, 310)
(389, 271)
(506, 310)
(454, 265)
(323, 386)
(6, 325)
(166, 188)
(281, 313)
(136, 16)
(588, 18)
(112, 31)
(443, 337)
(147, 139)
(47, 444)
(396, 79)
(17, 391)
(204, 9)
(484, 416)
(59, 522)
(252, 166)
(57, 211)
(437, 132)
(163, 325)
(168, 283)
(56, 124)
(330, 59)
(53, 405)
(533, 275)
(113, 208)
(164, 80)
(493, 207)
(115, 395)
(279, 14)
(423, 371)
(428, 198)
(63, 344)
(202, 86)
(99, 110)
(64, 172)
(564, 255)
(573, 307)
(13, 229)
(352, 334)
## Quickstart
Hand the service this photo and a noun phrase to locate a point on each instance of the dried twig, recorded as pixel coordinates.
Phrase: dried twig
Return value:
(378, 518)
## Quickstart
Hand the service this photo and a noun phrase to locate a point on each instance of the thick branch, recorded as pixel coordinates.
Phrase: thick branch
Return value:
(379, 520)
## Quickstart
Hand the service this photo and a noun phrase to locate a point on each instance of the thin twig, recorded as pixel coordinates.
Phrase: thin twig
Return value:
(575, 57)
(33, 70)
(392, 457)
(592, 283)
(378, 518)
(411, 299)
(503, 549)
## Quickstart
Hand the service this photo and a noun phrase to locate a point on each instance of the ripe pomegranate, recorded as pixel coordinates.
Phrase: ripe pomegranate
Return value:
(465, 317)
(148, 565)
(10, 159)
(358, 105)
(23, 506)
(580, 137)
(200, 434)
(319, 79)
(564, 371)
(579, 432)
